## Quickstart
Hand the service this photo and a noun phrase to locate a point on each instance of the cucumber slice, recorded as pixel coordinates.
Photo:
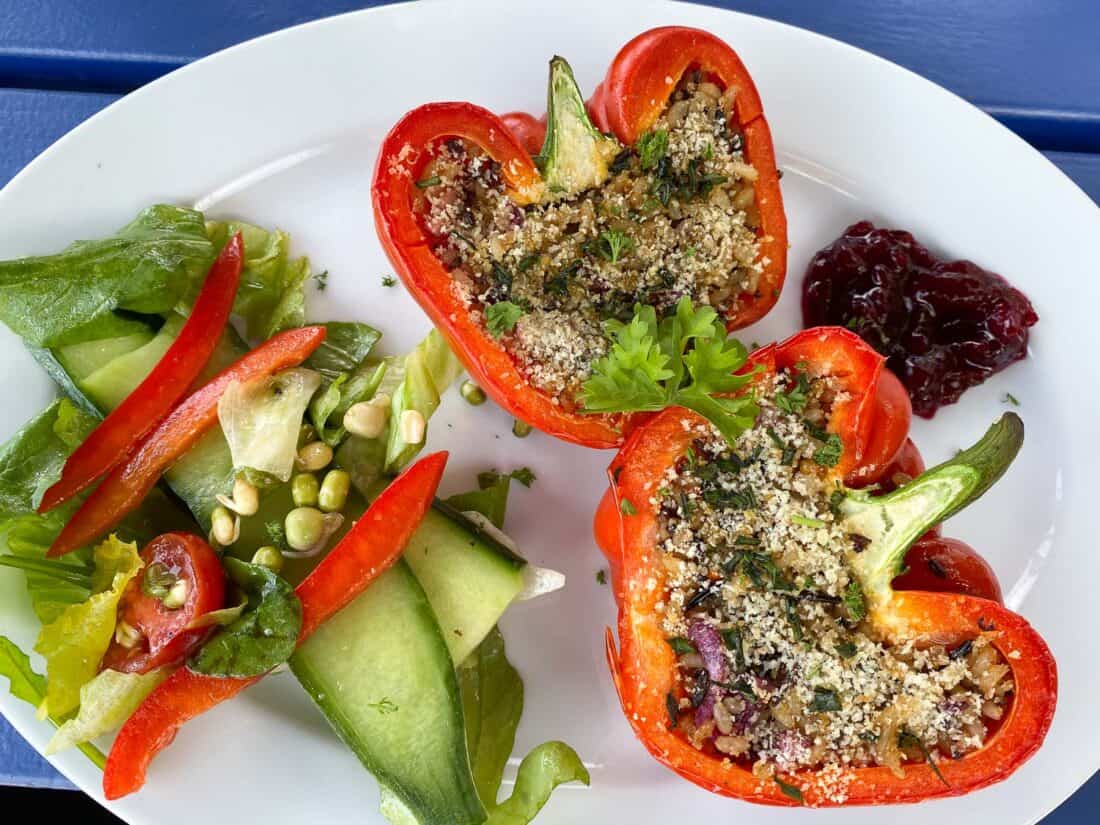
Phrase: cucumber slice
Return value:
(381, 673)
(81, 360)
(469, 581)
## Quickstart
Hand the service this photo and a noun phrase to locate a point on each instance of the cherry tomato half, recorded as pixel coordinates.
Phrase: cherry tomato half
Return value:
(948, 566)
(182, 579)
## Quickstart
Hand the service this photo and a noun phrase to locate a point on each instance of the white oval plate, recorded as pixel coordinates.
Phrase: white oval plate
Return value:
(283, 131)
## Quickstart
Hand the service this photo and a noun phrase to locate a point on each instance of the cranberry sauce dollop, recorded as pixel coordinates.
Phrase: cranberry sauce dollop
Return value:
(944, 326)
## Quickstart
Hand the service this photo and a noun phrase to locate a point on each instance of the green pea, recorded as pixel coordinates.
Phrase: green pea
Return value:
(473, 394)
(269, 557)
(304, 527)
(304, 489)
(334, 490)
(521, 429)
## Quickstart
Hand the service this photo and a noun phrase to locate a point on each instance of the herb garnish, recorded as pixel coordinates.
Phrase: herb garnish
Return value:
(680, 645)
(611, 245)
(276, 534)
(791, 608)
(651, 148)
(426, 183)
(828, 455)
(601, 577)
(746, 541)
(787, 451)
(1012, 399)
(789, 791)
(384, 706)
(825, 700)
(626, 506)
(527, 261)
(389, 280)
(846, 650)
(794, 399)
(854, 601)
(684, 360)
(700, 688)
(502, 317)
(734, 641)
(705, 592)
(673, 708)
(907, 739)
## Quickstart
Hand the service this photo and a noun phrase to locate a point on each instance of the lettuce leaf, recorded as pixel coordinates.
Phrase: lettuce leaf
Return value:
(541, 771)
(105, 703)
(74, 643)
(30, 686)
(418, 382)
(271, 296)
(261, 420)
(149, 266)
(348, 376)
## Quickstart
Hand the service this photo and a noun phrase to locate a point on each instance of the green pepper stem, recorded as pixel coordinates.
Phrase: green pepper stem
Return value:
(895, 521)
(575, 155)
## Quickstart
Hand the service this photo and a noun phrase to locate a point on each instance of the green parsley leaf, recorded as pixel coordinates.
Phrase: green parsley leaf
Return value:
(524, 475)
(651, 147)
(684, 359)
(789, 791)
(627, 507)
(601, 577)
(680, 645)
(1012, 399)
(828, 454)
(612, 245)
(501, 318)
(427, 183)
(854, 601)
(794, 399)
(907, 739)
(846, 650)
(320, 280)
(388, 281)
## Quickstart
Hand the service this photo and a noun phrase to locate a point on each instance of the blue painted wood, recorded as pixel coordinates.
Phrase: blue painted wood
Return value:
(1034, 65)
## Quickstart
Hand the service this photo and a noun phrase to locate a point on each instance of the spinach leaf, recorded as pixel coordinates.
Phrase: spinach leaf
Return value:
(265, 634)
(149, 266)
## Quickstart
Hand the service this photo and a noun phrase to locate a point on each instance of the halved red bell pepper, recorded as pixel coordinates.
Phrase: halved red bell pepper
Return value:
(643, 66)
(643, 664)
(372, 545)
(165, 384)
(128, 484)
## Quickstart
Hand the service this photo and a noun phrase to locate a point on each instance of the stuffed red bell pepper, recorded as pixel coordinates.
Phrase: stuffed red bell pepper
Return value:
(763, 652)
(520, 261)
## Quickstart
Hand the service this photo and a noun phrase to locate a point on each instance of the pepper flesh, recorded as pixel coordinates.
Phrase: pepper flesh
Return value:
(165, 384)
(128, 484)
(372, 545)
(643, 665)
(508, 141)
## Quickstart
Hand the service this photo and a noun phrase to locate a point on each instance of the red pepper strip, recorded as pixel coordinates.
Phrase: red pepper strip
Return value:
(528, 130)
(635, 92)
(405, 152)
(154, 397)
(372, 545)
(129, 483)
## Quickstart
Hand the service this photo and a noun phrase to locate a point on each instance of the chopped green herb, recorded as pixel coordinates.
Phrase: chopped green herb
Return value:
(828, 455)
(627, 507)
(787, 451)
(601, 577)
(789, 791)
(854, 601)
(906, 739)
(611, 245)
(854, 323)
(524, 475)
(794, 399)
(426, 183)
(805, 521)
(276, 535)
(680, 645)
(746, 541)
(527, 261)
(388, 281)
(651, 148)
(1012, 399)
(825, 700)
(673, 708)
(734, 641)
(793, 618)
(846, 650)
(836, 499)
(320, 280)
(501, 318)
(383, 706)
(456, 234)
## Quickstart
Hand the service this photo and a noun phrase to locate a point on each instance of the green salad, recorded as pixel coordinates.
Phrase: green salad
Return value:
(195, 537)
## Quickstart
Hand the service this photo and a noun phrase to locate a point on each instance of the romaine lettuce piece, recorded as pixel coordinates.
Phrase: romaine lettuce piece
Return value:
(105, 703)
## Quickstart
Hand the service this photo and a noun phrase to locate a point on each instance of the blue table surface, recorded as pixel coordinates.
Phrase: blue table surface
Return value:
(1035, 66)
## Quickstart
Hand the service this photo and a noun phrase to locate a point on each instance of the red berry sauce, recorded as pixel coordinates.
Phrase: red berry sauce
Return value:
(944, 326)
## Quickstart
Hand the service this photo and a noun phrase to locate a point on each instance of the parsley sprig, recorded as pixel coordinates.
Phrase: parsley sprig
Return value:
(682, 360)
